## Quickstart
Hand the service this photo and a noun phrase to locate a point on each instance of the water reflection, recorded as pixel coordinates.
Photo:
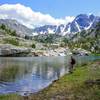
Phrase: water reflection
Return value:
(28, 75)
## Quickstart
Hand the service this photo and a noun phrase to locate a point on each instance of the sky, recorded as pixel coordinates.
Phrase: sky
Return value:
(59, 8)
(60, 11)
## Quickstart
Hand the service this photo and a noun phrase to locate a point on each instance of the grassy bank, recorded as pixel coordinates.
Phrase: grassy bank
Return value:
(73, 86)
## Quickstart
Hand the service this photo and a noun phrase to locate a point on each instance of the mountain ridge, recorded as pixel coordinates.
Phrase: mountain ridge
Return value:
(81, 22)
(20, 29)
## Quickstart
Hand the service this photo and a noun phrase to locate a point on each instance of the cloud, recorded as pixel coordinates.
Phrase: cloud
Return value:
(28, 17)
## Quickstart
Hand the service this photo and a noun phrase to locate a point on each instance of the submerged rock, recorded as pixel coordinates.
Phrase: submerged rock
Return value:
(10, 50)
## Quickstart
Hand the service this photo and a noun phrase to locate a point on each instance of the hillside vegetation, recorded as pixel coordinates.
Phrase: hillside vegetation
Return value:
(86, 39)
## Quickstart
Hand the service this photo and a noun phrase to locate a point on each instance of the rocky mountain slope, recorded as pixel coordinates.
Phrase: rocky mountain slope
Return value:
(18, 27)
(88, 39)
(81, 22)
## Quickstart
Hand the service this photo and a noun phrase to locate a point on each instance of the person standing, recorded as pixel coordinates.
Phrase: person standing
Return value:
(72, 63)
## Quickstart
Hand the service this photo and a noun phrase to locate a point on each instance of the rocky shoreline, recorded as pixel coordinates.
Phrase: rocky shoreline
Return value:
(80, 52)
(51, 52)
(8, 50)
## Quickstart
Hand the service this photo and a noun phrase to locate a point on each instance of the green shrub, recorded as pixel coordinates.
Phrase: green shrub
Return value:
(8, 30)
(13, 33)
(3, 27)
(12, 41)
(33, 45)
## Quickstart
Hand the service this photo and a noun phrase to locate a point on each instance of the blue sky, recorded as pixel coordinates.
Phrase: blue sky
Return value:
(59, 8)
(46, 12)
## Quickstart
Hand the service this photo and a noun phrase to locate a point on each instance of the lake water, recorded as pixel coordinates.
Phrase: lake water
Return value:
(25, 75)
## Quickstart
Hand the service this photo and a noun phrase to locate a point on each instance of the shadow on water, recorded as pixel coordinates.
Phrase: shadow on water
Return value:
(29, 75)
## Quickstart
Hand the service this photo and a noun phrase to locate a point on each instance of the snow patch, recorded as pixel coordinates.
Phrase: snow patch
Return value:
(34, 34)
(77, 26)
(86, 28)
(51, 31)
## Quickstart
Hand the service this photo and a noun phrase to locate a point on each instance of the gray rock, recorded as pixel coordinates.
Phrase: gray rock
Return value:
(10, 50)
(80, 52)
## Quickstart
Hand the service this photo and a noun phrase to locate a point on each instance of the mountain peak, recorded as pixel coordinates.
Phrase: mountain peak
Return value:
(81, 22)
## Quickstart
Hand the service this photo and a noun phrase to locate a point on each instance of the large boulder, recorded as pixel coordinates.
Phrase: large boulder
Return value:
(10, 50)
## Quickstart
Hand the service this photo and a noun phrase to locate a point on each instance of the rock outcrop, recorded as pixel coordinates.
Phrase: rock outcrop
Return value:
(55, 52)
(80, 52)
(8, 50)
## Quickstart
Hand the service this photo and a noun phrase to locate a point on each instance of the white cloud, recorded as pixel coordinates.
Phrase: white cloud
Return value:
(28, 17)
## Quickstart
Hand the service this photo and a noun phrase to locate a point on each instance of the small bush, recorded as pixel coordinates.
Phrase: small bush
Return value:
(33, 45)
(3, 27)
